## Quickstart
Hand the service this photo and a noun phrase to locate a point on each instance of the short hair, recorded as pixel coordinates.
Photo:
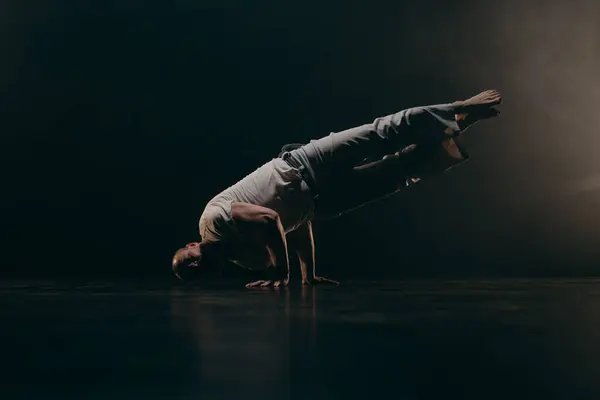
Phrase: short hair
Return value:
(181, 264)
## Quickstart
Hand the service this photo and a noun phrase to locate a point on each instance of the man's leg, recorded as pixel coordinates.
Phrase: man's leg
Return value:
(419, 125)
(375, 180)
(331, 160)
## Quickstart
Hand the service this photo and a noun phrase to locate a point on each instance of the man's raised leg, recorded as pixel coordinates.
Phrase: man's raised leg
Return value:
(418, 125)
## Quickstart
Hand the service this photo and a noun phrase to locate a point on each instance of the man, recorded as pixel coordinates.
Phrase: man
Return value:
(267, 215)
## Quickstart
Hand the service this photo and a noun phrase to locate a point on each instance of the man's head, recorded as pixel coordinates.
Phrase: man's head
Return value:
(188, 261)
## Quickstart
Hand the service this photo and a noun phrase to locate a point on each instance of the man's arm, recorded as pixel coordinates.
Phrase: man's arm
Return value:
(264, 224)
(302, 243)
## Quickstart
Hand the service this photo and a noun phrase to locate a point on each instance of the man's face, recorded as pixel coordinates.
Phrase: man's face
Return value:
(193, 245)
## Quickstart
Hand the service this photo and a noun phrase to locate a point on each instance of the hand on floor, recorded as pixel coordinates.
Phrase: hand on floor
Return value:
(263, 283)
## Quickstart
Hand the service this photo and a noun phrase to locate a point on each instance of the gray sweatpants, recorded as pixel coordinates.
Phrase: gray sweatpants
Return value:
(334, 161)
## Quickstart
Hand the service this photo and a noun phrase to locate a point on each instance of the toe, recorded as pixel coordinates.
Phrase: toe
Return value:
(493, 100)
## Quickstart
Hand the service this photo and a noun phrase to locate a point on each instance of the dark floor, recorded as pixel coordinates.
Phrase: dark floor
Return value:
(514, 339)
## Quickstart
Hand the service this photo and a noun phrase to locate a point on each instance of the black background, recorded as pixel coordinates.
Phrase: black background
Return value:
(120, 119)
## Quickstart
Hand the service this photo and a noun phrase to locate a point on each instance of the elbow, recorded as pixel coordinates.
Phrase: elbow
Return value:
(271, 218)
(272, 221)
(273, 225)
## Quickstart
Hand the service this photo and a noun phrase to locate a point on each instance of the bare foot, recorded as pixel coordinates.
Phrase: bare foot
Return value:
(483, 100)
(477, 108)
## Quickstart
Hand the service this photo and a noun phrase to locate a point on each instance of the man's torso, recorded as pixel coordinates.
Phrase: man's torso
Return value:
(274, 185)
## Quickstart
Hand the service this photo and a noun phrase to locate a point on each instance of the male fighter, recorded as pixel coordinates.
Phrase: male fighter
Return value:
(260, 220)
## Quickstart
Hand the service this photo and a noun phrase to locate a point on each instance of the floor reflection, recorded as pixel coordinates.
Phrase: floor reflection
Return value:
(243, 344)
(512, 339)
